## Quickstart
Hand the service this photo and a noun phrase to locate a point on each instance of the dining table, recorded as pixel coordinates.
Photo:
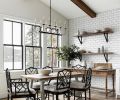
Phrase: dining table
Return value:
(43, 78)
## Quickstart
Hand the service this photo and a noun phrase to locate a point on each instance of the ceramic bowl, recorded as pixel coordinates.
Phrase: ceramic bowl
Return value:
(44, 71)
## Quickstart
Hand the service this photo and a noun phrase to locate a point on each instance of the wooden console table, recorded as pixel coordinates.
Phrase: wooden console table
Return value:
(106, 74)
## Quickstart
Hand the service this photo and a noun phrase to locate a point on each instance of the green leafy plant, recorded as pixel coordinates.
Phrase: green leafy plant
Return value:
(69, 53)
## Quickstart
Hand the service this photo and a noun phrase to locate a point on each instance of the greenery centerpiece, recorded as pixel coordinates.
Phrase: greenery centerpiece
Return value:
(69, 53)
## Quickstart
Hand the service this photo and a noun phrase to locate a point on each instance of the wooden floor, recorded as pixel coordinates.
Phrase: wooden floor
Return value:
(95, 95)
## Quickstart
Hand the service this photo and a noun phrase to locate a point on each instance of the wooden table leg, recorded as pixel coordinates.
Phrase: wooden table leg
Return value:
(106, 87)
(42, 90)
(113, 80)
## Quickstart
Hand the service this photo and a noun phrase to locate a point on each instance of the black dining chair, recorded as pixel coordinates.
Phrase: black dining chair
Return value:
(63, 84)
(80, 69)
(33, 84)
(80, 88)
(48, 67)
(18, 89)
(31, 70)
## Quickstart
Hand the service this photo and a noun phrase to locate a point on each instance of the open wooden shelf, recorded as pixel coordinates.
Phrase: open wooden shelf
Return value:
(105, 54)
(93, 53)
(86, 34)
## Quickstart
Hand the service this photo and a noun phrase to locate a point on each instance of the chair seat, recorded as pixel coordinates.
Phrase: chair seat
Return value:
(22, 91)
(36, 85)
(52, 88)
(53, 82)
(76, 79)
(77, 85)
(20, 94)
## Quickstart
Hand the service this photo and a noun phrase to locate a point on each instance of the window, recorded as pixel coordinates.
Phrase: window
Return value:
(15, 48)
(53, 42)
(12, 41)
(32, 46)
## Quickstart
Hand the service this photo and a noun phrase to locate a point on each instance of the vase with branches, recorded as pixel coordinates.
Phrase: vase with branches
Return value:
(68, 53)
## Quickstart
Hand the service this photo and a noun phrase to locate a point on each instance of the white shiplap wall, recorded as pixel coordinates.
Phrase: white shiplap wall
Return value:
(3, 87)
(106, 19)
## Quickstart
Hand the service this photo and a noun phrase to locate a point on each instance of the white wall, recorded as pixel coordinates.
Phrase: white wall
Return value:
(28, 11)
(106, 19)
(25, 11)
(3, 86)
(1, 45)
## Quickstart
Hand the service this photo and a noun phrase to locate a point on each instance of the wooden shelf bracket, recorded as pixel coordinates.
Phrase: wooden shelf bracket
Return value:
(80, 58)
(80, 39)
(106, 36)
(106, 56)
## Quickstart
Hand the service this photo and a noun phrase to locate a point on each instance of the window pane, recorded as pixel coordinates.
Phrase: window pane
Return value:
(37, 57)
(55, 58)
(29, 57)
(54, 40)
(8, 57)
(59, 41)
(17, 33)
(17, 57)
(49, 57)
(36, 37)
(28, 35)
(7, 32)
(48, 40)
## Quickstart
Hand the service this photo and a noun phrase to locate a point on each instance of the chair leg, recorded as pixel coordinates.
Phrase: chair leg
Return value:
(35, 97)
(37, 94)
(53, 96)
(74, 94)
(48, 97)
(27, 98)
(85, 95)
(68, 95)
(80, 95)
(63, 96)
(89, 94)
(8, 97)
(56, 96)
(11, 98)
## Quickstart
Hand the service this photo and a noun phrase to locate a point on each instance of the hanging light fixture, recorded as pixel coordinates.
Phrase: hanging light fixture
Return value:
(49, 28)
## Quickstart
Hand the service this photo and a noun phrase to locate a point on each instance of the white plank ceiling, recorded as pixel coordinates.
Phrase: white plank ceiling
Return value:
(70, 10)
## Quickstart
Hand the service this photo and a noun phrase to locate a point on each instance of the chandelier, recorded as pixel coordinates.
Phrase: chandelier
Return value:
(49, 28)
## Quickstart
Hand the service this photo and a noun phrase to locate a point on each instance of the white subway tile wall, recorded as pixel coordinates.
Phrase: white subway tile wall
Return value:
(92, 43)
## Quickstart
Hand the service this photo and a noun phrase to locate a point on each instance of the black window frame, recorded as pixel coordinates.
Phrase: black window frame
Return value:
(58, 34)
(32, 46)
(14, 45)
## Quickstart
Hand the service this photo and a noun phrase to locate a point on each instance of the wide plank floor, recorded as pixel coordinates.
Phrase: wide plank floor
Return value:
(95, 95)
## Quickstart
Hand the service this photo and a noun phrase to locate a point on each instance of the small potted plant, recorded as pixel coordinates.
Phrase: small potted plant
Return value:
(68, 53)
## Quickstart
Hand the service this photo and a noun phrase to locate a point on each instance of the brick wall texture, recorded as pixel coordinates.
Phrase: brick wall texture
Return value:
(92, 43)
